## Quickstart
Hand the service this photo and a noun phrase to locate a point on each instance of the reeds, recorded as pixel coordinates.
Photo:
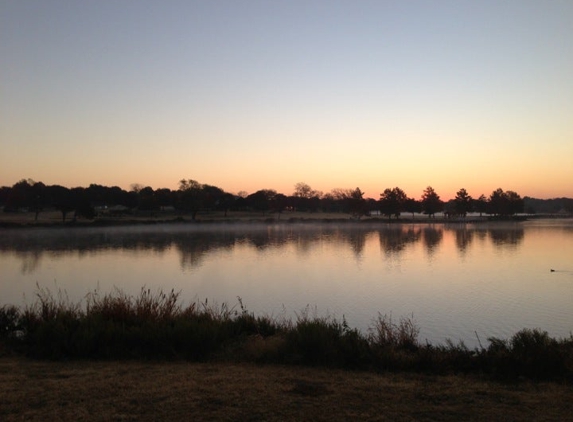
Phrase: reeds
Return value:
(156, 325)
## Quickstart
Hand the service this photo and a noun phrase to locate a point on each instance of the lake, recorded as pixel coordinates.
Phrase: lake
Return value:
(456, 280)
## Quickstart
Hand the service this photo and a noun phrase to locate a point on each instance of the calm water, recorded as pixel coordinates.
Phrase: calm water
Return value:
(456, 280)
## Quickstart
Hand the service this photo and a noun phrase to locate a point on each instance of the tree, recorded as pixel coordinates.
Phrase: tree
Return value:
(136, 187)
(392, 202)
(227, 202)
(462, 202)
(164, 198)
(431, 203)
(190, 197)
(330, 203)
(4, 194)
(480, 204)
(305, 198)
(279, 203)
(20, 196)
(302, 190)
(356, 203)
(515, 202)
(63, 199)
(412, 206)
(81, 203)
(212, 196)
(261, 200)
(502, 203)
(146, 200)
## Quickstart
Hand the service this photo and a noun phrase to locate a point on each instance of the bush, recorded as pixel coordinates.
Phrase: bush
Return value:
(386, 333)
(532, 354)
(9, 321)
(156, 326)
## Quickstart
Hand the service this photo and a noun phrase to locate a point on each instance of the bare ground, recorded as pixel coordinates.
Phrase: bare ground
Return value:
(151, 391)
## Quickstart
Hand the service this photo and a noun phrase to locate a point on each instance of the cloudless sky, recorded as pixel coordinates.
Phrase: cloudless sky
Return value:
(247, 95)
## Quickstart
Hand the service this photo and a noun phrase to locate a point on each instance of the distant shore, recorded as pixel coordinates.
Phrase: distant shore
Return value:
(54, 219)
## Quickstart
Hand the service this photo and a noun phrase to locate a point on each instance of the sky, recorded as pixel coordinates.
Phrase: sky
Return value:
(248, 95)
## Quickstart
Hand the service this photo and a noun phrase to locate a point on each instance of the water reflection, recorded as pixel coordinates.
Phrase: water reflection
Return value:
(506, 238)
(464, 239)
(395, 239)
(432, 238)
(193, 244)
(30, 261)
(457, 279)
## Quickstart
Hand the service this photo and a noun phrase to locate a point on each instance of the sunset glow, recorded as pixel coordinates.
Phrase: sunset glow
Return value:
(255, 94)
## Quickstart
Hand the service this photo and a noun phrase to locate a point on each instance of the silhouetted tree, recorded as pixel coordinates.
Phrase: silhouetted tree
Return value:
(136, 187)
(279, 203)
(412, 206)
(462, 202)
(227, 202)
(20, 196)
(516, 203)
(305, 198)
(146, 199)
(81, 204)
(480, 204)
(212, 196)
(392, 202)
(261, 200)
(504, 203)
(355, 202)
(347, 200)
(431, 203)
(4, 193)
(190, 197)
(302, 190)
(371, 205)
(164, 198)
(497, 203)
(330, 203)
(63, 200)
(39, 200)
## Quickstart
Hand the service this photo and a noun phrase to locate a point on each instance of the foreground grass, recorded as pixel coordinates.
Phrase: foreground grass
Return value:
(150, 391)
(155, 326)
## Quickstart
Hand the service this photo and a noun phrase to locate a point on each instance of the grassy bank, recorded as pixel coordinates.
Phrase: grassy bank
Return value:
(54, 219)
(156, 326)
(182, 391)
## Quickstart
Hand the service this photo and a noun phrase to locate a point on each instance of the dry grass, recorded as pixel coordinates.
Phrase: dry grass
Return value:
(48, 218)
(136, 390)
(156, 326)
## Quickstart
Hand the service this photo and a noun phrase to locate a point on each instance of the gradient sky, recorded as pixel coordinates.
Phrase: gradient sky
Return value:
(247, 95)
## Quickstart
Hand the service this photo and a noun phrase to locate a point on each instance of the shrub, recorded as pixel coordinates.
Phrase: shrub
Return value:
(9, 321)
(531, 353)
(156, 326)
(386, 333)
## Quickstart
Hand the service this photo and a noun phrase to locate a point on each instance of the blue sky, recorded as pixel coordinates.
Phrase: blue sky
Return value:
(248, 95)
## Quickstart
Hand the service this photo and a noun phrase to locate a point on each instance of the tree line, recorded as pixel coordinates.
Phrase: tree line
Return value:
(192, 198)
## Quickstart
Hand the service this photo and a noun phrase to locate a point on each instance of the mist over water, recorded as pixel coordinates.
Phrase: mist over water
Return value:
(456, 280)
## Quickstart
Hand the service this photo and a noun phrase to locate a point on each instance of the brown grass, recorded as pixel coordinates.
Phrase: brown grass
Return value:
(107, 391)
(49, 218)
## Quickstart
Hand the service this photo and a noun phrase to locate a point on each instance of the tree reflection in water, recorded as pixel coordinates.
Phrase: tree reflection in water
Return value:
(194, 243)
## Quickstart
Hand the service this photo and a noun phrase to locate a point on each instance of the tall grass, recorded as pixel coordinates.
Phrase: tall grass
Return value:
(156, 325)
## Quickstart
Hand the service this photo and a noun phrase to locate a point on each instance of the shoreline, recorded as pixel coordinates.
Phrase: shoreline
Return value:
(26, 221)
